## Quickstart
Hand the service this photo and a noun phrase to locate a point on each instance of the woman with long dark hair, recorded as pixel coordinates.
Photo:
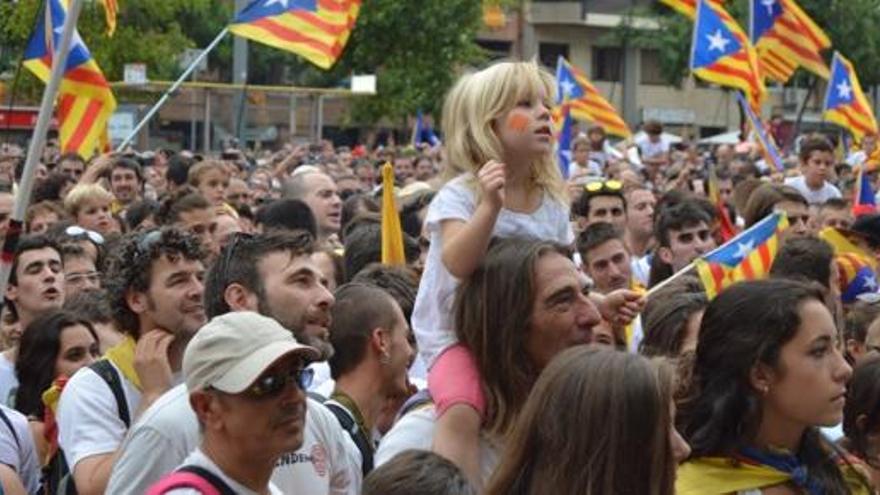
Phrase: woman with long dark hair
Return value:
(53, 347)
(767, 373)
(597, 422)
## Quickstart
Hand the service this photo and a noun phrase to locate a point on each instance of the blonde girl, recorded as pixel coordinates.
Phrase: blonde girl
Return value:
(502, 181)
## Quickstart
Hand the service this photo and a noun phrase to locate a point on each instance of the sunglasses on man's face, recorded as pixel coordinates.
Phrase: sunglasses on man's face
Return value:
(270, 385)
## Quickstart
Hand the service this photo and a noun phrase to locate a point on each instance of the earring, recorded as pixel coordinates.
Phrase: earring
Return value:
(385, 359)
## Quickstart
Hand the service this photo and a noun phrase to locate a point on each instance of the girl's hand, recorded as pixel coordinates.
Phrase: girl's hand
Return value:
(492, 177)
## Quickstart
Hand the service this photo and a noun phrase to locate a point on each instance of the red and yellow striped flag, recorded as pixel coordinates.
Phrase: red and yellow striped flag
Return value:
(686, 7)
(85, 101)
(110, 11)
(787, 38)
(316, 30)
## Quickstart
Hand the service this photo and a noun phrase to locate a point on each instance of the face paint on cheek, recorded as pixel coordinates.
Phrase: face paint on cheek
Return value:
(517, 122)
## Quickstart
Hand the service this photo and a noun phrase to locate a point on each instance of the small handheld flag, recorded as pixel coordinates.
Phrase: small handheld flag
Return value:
(747, 256)
(845, 103)
(316, 30)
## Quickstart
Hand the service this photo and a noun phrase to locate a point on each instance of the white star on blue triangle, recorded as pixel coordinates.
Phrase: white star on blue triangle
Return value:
(568, 88)
(840, 91)
(713, 39)
(268, 8)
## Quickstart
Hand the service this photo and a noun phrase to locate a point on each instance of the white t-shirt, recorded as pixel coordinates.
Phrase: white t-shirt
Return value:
(327, 463)
(88, 416)
(17, 450)
(8, 381)
(198, 458)
(650, 149)
(432, 313)
(415, 430)
(827, 191)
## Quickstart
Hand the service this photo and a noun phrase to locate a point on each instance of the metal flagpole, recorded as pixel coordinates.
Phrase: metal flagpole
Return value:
(173, 88)
(35, 148)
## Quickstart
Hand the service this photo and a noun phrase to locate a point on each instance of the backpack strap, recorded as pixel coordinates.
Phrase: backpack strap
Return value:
(8, 422)
(106, 371)
(359, 437)
(195, 477)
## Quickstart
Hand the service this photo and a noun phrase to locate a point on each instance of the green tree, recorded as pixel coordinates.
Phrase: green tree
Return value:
(416, 49)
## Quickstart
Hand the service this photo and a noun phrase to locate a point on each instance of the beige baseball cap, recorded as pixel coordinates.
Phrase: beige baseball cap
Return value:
(232, 350)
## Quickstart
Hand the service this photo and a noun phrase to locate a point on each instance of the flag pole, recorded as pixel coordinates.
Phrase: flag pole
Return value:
(672, 277)
(38, 140)
(125, 142)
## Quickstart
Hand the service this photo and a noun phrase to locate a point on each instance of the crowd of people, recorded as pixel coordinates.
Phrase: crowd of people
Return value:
(185, 324)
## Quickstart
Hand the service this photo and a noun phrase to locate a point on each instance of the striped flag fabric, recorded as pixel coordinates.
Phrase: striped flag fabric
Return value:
(845, 102)
(316, 30)
(855, 267)
(747, 256)
(855, 276)
(787, 38)
(686, 7)
(842, 245)
(722, 54)
(85, 101)
(585, 102)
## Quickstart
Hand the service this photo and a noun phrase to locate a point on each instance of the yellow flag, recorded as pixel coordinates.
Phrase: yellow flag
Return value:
(392, 234)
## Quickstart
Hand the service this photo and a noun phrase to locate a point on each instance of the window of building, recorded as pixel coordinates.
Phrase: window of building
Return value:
(607, 64)
(650, 68)
(496, 49)
(549, 53)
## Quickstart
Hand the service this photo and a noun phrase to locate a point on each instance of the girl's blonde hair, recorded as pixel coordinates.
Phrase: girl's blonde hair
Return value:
(473, 105)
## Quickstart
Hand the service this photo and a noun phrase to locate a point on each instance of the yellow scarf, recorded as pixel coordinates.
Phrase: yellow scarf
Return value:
(122, 356)
(721, 475)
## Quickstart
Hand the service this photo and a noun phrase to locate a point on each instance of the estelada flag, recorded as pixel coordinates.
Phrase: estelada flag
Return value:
(721, 53)
(845, 102)
(747, 256)
(316, 30)
(85, 101)
(787, 38)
